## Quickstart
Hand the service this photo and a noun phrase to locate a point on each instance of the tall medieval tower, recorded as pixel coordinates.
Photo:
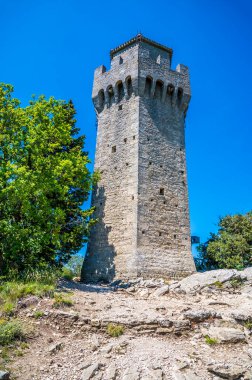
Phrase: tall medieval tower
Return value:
(141, 201)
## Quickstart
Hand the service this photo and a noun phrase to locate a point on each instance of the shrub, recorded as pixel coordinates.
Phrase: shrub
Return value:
(236, 283)
(38, 314)
(210, 341)
(11, 331)
(60, 301)
(248, 325)
(5, 355)
(67, 273)
(18, 353)
(48, 275)
(115, 330)
(12, 291)
(8, 308)
(230, 247)
(24, 345)
(218, 284)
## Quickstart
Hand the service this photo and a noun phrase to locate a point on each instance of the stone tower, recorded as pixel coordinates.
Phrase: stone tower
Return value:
(142, 199)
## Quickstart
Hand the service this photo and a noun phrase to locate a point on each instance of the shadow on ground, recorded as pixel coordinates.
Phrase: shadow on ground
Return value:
(91, 288)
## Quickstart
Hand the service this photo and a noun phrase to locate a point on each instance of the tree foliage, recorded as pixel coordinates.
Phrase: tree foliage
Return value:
(44, 180)
(231, 246)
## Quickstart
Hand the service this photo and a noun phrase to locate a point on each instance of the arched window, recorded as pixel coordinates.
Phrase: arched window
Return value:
(120, 90)
(101, 100)
(129, 86)
(110, 95)
(148, 86)
(170, 92)
(180, 94)
(159, 89)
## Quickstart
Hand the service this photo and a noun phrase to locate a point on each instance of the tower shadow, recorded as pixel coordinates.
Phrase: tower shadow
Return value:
(99, 265)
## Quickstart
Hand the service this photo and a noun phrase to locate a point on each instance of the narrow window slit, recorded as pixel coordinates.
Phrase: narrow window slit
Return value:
(161, 191)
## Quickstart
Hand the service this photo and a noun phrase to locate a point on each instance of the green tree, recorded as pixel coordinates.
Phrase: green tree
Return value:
(231, 247)
(44, 180)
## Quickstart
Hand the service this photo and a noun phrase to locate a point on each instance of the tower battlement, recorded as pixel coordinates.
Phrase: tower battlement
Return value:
(141, 200)
(142, 67)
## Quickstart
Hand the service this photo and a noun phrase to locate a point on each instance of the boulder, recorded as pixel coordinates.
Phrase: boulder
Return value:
(226, 334)
(89, 372)
(200, 315)
(131, 373)
(248, 374)
(198, 281)
(242, 315)
(153, 374)
(111, 372)
(27, 301)
(161, 291)
(4, 375)
(227, 371)
(247, 272)
(54, 348)
(186, 375)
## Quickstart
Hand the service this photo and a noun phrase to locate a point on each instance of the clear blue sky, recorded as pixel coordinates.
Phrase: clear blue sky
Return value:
(52, 47)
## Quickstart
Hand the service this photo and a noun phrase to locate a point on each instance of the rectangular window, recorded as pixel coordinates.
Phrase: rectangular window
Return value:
(161, 191)
(113, 149)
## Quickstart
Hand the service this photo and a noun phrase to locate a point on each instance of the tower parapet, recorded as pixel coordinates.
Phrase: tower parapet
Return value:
(142, 200)
(143, 67)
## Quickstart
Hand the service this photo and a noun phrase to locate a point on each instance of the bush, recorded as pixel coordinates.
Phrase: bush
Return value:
(230, 247)
(8, 308)
(38, 314)
(210, 341)
(248, 325)
(67, 274)
(61, 301)
(11, 331)
(218, 284)
(11, 292)
(115, 330)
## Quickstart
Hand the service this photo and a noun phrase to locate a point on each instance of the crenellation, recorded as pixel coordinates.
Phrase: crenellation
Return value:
(142, 198)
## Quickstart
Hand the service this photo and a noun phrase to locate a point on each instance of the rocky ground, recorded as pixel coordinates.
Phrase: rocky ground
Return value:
(198, 328)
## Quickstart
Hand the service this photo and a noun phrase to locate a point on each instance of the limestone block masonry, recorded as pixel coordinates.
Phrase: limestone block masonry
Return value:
(141, 201)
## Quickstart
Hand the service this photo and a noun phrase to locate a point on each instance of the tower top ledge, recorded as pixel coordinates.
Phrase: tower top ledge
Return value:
(140, 38)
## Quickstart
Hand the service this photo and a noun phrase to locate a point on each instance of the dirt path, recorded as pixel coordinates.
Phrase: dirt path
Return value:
(164, 336)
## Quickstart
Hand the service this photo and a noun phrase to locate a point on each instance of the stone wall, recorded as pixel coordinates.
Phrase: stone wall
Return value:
(142, 200)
